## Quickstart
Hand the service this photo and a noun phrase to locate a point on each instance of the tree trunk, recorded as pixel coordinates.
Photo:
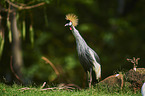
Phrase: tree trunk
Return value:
(16, 45)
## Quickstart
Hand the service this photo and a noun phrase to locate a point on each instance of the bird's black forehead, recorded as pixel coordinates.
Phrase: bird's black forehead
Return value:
(67, 21)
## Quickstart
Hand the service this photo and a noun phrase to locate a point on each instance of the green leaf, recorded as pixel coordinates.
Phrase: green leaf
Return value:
(31, 34)
(1, 45)
(9, 29)
(23, 30)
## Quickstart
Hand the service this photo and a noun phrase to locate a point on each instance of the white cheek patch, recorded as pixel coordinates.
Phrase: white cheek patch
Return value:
(70, 23)
(97, 67)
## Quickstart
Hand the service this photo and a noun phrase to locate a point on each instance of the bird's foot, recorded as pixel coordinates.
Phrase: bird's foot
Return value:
(90, 84)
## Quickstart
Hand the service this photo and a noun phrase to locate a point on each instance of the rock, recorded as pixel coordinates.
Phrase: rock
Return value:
(112, 83)
(136, 78)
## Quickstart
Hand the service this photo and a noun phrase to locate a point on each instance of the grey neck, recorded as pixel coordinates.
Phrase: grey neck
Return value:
(79, 40)
(77, 35)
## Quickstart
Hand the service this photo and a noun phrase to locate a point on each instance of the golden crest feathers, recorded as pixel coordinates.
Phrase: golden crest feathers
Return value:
(73, 18)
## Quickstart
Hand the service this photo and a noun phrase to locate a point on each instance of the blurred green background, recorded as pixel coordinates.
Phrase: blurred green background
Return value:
(115, 29)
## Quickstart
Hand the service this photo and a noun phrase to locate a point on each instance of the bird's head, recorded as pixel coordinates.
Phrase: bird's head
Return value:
(69, 23)
(72, 20)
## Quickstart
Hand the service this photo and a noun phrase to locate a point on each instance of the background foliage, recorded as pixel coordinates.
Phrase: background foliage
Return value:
(114, 29)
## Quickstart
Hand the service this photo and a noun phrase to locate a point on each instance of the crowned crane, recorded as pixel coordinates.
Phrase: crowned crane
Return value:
(87, 56)
(143, 89)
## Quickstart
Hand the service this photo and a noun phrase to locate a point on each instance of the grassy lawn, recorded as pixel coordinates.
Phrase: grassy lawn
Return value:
(13, 90)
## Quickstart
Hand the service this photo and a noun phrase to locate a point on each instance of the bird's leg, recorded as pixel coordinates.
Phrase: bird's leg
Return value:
(90, 81)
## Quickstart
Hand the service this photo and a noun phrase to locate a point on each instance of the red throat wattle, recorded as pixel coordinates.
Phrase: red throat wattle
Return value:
(70, 28)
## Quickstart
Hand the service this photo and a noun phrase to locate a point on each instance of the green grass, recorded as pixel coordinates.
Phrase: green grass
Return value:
(13, 90)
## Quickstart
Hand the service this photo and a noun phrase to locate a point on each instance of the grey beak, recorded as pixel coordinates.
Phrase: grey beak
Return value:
(66, 24)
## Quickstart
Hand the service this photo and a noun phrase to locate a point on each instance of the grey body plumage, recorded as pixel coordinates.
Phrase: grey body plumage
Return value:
(87, 56)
